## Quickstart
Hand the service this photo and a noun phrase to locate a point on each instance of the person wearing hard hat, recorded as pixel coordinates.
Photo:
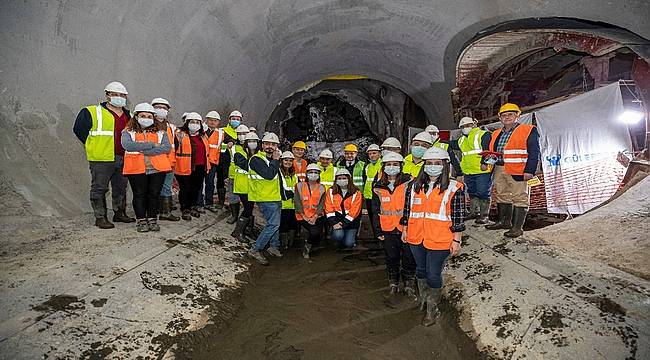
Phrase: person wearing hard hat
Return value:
(372, 169)
(433, 225)
(326, 167)
(419, 145)
(518, 145)
(388, 197)
(229, 140)
(355, 166)
(234, 199)
(215, 139)
(471, 144)
(343, 202)
(191, 164)
(435, 134)
(99, 127)
(391, 144)
(309, 203)
(299, 163)
(146, 164)
(264, 189)
(288, 180)
(241, 154)
(252, 129)
(162, 107)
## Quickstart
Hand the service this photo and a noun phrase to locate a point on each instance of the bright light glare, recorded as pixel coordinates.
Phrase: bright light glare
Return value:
(631, 116)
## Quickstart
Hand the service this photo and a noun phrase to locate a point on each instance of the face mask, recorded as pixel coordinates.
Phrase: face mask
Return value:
(418, 151)
(433, 170)
(465, 131)
(161, 113)
(193, 127)
(118, 101)
(342, 183)
(373, 161)
(241, 137)
(145, 122)
(391, 170)
(252, 145)
(235, 123)
(312, 177)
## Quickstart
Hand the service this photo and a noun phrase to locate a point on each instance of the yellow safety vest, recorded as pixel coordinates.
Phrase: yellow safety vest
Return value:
(410, 167)
(470, 146)
(240, 182)
(289, 183)
(371, 171)
(326, 175)
(260, 189)
(100, 145)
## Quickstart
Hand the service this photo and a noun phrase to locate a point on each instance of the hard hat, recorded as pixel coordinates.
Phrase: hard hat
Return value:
(326, 154)
(391, 142)
(435, 153)
(271, 137)
(313, 167)
(250, 135)
(184, 115)
(424, 136)
(342, 171)
(116, 87)
(144, 107)
(509, 107)
(287, 155)
(373, 147)
(252, 129)
(392, 156)
(235, 113)
(160, 101)
(193, 116)
(350, 147)
(213, 114)
(466, 121)
(300, 145)
(241, 129)
(431, 128)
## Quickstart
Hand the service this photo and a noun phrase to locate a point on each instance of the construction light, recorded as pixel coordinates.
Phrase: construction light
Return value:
(631, 116)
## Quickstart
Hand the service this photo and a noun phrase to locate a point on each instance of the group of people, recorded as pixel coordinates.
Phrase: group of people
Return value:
(416, 204)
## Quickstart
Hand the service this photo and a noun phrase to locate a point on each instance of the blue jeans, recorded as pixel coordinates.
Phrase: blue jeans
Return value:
(271, 232)
(479, 185)
(348, 237)
(429, 264)
(167, 185)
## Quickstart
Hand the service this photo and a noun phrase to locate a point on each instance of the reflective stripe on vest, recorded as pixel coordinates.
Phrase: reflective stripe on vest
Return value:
(441, 215)
(240, 176)
(371, 171)
(135, 162)
(470, 163)
(308, 199)
(341, 205)
(515, 152)
(100, 145)
(260, 189)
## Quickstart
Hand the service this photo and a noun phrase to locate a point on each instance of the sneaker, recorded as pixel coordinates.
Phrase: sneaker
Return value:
(186, 215)
(142, 226)
(257, 255)
(195, 213)
(153, 225)
(275, 252)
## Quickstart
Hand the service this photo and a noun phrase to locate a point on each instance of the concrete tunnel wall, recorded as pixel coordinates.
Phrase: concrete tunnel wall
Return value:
(204, 55)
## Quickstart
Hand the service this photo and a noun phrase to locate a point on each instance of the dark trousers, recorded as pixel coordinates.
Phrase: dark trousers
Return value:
(216, 172)
(398, 253)
(247, 206)
(315, 231)
(102, 173)
(429, 264)
(146, 192)
(189, 187)
(371, 217)
(288, 220)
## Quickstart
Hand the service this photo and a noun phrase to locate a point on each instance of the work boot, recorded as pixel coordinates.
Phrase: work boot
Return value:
(198, 209)
(518, 220)
(257, 255)
(249, 230)
(121, 216)
(473, 209)
(433, 298)
(99, 209)
(484, 206)
(393, 287)
(166, 209)
(234, 213)
(237, 233)
(306, 250)
(221, 195)
(211, 208)
(504, 217)
(103, 223)
(409, 289)
(284, 241)
(186, 215)
(153, 224)
(274, 252)
(142, 226)
(195, 213)
(422, 290)
(291, 237)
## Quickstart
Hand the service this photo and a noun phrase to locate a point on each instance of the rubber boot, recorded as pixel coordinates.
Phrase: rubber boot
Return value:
(221, 195)
(120, 216)
(249, 230)
(238, 233)
(473, 209)
(422, 290)
(99, 208)
(284, 241)
(291, 238)
(504, 217)
(409, 289)
(166, 209)
(433, 298)
(484, 206)
(518, 220)
(234, 213)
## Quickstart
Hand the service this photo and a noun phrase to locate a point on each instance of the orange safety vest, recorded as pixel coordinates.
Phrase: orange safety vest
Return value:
(309, 199)
(171, 132)
(515, 153)
(134, 161)
(430, 218)
(300, 169)
(350, 207)
(215, 141)
(184, 154)
(391, 207)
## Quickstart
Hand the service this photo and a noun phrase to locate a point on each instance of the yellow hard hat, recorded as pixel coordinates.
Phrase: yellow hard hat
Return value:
(350, 147)
(509, 107)
(300, 145)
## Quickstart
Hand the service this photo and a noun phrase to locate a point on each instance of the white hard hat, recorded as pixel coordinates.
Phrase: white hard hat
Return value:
(435, 153)
(160, 101)
(252, 129)
(193, 116)
(391, 142)
(287, 155)
(270, 137)
(241, 129)
(214, 115)
(313, 167)
(116, 87)
(326, 154)
(235, 113)
(250, 135)
(144, 107)
(184, 115)
(392, 156)
(373, 147)
(431, 128)
(342, 171)
(465, 121)
(424, 136)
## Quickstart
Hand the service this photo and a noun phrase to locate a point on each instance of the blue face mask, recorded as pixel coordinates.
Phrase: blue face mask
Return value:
(418, 151)
(235, 123)
(118, 101)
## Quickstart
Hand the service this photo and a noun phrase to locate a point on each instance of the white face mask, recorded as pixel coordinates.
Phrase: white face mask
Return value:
(193, 127)
(433, 170)
(145, 122)
(252, 145)
(466, 131)
(312, 177)
(161, 114)
(118, 101)
(342, 183)
(391, 170)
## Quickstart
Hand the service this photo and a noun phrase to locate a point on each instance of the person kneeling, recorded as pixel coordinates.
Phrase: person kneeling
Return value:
(342, 208)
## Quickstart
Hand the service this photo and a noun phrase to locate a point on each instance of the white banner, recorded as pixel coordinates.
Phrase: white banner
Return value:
(580, 139)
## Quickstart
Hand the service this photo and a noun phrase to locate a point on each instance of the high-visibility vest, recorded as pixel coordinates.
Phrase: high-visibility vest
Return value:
(440, 144)
(357, 173)
(515, 153)
(240, 178)
(350, 208)
(430, 217)
(215, 140)
(100, 145)
(288, 184)
(326, 175)
(260, 189)
(171, 133)
(470, 146)
(300, 169)
(230, 131)
(184, 154)
(371, 171)
(410, 167)
(391, 207)
(309, 198)
(134, 161)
